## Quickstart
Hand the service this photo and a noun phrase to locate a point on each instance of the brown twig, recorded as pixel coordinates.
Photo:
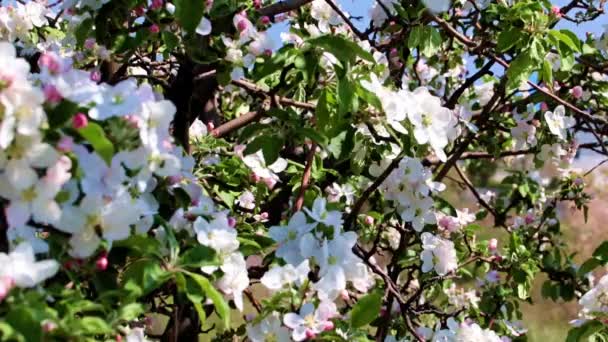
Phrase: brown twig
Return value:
(282, 7)
(305, 178)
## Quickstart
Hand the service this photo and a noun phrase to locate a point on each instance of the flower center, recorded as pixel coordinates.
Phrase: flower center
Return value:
(29, 195)
(292, 235)
(427, 121)
(332, 260)
(118, 99)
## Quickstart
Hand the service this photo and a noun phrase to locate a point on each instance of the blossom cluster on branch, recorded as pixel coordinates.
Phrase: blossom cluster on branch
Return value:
(170, 170)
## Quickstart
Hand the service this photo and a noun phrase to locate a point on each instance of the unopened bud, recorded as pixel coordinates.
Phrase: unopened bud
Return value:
(79, 121)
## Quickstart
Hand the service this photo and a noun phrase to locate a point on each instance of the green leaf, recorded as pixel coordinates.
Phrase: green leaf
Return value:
(601, 252)
(509, 38)
(91, 326)
(221, 307)
(347, 97)
(430, 41)
(189, 13)
(519, 70)
(130, 312)
(547, 73)
(61, 113)
(269, 144)
(94, 134)
(143, 276)
(170, 40)
(415, 37)
(199, 256)
(568, 38)
(142, 244)
(313, 135)
(343, 49)
(366, 310)
(83, 31)
(584, 331)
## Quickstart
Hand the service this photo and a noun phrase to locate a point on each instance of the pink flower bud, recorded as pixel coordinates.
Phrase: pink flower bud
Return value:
(369, 220)
(577, 92)
(65, 144)
(210, 126)
(89, 43)
(242, 25)
(329, 326)
(51, 94)
(156, 5)
(264, 216)
(118, 338)
(139, 11)
(555, 10)
(270, 182)
(95, 76)
(544, 107)
(344, 295)
(268, 52)
(493, 245)
(579, 181)
(257, 4)
(79, 121)
(49, 62)
(154, 28)
(209, 3)
(231, 222)
(265, 20)
(529, 219)
(174, 179)
(102, 263)
(310, 334)
(48, 326)
(394, 52)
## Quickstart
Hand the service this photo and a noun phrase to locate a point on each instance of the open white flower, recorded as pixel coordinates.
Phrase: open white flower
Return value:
(438, 253)
(325, 15)
(279, 276)
(269, 329)
(433, 124)
(288, 238)
(558, 122)
(204, 27)
(320, 214)
(309, 322)
(235, 279)
(437, 5)
(21, 266)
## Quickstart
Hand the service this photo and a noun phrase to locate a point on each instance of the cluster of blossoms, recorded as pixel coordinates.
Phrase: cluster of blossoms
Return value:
(90, 171)
(17, 22)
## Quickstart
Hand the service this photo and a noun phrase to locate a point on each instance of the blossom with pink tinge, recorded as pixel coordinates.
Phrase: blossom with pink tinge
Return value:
(577, 92)
(95, 76)
(493, 245)
(49, 62)
(51, 94)
(89, 43)
(65, 144)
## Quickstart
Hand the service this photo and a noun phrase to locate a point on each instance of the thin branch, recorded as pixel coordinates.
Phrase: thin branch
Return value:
(350, 219)
(305, 178)
(282, 7)
(347, 20)
(237, 123)
(256, 90)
